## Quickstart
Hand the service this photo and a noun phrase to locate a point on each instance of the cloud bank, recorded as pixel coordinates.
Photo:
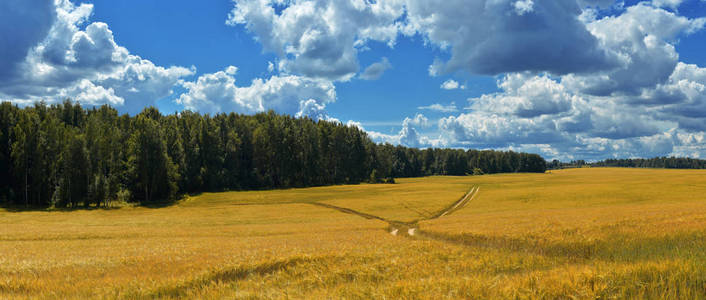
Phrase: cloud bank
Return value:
(57, 54)
(294, 95)
(576, 79)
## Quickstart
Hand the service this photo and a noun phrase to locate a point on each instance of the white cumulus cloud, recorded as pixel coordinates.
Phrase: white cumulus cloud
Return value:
(318, 38)
(407, 136)
(451, 84)
(437, 107)
(295, 95)
(60, 60)
(323, 38)
(643, 37)
(524, 6)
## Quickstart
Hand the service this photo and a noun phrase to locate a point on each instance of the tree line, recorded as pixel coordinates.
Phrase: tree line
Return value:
(657, 162)
(64, 155)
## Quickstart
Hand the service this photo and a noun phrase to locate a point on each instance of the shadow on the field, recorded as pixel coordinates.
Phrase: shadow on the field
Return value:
(159, 204)
(229, 275)
(352, 212)
(17, 209)
(613, 247)
(573, 251)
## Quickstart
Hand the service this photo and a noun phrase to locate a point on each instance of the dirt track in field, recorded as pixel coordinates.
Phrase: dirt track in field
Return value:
(410, 227)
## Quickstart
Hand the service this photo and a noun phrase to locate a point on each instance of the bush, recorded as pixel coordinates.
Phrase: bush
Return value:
(477, 171)
(375, 177)
(390, 180)
(124, 195)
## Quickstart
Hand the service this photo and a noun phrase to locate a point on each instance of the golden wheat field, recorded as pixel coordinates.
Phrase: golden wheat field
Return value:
(577, 233)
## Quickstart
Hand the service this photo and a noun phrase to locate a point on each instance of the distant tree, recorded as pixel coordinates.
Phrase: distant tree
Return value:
(657, 162)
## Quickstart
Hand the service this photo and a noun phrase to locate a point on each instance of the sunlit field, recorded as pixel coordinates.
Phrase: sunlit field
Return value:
(577, 233)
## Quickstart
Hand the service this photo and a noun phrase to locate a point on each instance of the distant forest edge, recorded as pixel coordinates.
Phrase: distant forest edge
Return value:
(64, 155)
(657, 162)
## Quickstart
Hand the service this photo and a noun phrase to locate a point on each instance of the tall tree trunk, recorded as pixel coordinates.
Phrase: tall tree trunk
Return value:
(26, 189)
(71, 199)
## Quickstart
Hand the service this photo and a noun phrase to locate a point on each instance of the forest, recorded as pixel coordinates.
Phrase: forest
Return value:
(64, 155)
(657, 162)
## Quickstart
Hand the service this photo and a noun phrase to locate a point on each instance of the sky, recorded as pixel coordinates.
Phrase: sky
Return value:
(570, 79)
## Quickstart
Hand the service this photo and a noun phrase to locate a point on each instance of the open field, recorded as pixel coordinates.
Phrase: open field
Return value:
(582, 233)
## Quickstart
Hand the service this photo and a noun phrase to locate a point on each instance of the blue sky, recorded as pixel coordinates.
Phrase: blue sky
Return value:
(577, 79)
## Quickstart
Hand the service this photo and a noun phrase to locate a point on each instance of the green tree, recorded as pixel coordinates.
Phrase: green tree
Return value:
(24, 151)
(8, 119)
(74, 180)
(152, 171)
(69, 155)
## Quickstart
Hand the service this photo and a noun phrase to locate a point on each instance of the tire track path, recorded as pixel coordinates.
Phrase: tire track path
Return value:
(411, 226)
